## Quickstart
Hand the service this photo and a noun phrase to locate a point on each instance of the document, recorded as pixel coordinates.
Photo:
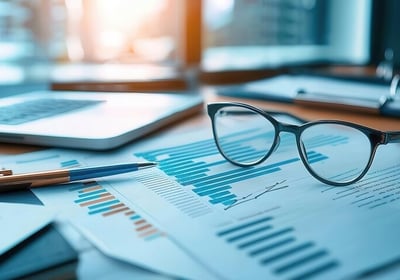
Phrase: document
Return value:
(113, 222)
(324, 92)
(275, 220)
(197, 215)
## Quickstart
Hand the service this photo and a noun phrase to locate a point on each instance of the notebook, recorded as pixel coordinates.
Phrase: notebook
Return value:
(90, 120)
(44, 255)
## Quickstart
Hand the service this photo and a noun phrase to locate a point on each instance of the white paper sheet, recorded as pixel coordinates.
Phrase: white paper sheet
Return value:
(276, 222)
(298, 229)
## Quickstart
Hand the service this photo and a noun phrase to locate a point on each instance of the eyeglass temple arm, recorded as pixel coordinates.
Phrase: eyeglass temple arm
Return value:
(393, 137)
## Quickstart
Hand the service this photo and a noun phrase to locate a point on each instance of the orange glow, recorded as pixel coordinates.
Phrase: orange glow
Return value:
(109, 28)
(126, 14)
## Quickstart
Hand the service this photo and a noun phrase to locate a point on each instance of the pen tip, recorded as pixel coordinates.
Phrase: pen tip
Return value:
(147, 164)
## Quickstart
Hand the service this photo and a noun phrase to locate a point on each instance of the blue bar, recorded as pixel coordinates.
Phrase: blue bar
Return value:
(92, 193)
(153, 236)
(224, 161)
(88, 198)
(299, 262)
(188, 179)
(237, 151)
(69, 163)
(219, 194)
(196, 152)
(183, 178)
(252, 155)
(191, 170)
(135, 217)
(239, 171)
(317, 141)
(219, 175)
(107, 203)
(182, 152)
(248, 233)
(310, 153)
(212, 191)
(182, 166)
(190, 156)
(265, 237)
(313, 154)
(178, 172)
(83, 186)
(106, 209)
(287, 253)
(251, 137)
(205, 189)
(242, 178)
(229, 202)
(184, 148)
(249, 224)
(164, 165)
(271, 246)
(221, 199)
(192, 174)
(317, 159)
(317, 270)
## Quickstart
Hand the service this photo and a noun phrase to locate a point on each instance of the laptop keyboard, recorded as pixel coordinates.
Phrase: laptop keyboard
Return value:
(40, 108)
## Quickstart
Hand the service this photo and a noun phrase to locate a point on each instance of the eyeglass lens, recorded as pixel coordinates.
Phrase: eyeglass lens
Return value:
(334, 152)
(243, 135)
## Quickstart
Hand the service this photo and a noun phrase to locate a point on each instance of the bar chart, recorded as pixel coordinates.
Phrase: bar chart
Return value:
(279, 248)
(200, 166)
(267, 221)
(264, 243)
(107, 215)
(97, 200)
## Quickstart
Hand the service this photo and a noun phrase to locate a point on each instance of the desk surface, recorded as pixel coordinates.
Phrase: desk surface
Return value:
(375, 121)
(310, 113)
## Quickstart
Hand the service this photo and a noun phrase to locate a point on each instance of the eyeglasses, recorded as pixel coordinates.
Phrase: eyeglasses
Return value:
(335, 152)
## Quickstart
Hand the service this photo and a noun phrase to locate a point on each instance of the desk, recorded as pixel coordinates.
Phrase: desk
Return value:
(377, 122)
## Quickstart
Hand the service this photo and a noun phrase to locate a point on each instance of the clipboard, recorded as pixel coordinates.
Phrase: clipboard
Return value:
(332, 93)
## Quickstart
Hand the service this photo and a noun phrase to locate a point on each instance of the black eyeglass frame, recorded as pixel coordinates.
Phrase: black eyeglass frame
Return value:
(376, 137)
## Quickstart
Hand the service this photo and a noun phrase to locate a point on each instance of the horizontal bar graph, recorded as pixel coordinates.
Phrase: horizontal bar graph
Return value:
(97, 200)
(200, 166)
(70, 163)
(278, 249)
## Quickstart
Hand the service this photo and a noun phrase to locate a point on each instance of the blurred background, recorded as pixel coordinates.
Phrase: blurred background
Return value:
(39, 37)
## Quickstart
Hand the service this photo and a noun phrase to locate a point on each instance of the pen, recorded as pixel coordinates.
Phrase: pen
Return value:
(9, 181)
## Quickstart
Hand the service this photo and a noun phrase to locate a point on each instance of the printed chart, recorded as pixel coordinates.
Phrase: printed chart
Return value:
(268, 217)
(109, 219)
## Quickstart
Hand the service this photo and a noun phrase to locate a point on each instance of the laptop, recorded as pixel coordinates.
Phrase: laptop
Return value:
(90, 120)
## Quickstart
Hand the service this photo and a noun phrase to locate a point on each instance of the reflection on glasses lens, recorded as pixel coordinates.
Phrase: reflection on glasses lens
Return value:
(335, 152)
(244, 136)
